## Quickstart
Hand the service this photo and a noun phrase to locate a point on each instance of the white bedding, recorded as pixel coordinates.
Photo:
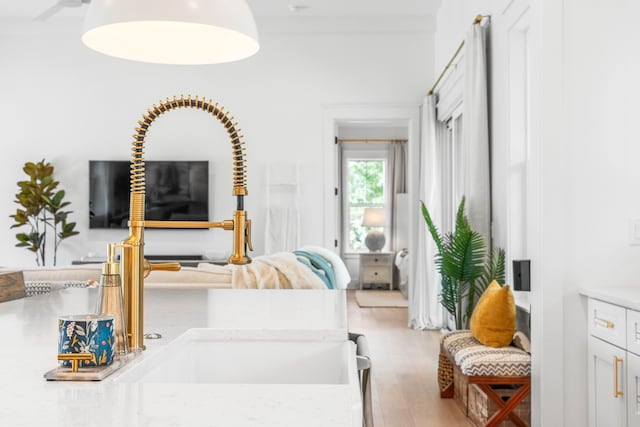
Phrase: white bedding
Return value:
(276, 271)
(342, 274)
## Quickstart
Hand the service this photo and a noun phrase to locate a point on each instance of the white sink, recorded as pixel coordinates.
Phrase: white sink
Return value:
(261, 358)
(212, 356)
(285, 381)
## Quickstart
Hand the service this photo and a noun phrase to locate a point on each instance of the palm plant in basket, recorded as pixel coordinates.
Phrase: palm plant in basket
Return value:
(465, 268)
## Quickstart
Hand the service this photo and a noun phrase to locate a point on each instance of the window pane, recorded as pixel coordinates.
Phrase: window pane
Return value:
(357, 232)
(366, 181)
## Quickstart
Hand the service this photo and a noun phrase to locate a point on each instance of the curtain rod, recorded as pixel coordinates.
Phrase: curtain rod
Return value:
(372, 140)
(477, 20)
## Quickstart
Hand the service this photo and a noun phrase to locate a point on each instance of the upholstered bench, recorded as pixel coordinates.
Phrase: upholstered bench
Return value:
(462, 356)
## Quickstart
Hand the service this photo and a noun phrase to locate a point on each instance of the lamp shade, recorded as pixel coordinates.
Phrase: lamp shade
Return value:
(171, 31)
(374, 217)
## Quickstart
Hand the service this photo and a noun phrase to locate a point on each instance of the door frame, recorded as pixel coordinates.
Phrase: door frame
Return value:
(367, 114)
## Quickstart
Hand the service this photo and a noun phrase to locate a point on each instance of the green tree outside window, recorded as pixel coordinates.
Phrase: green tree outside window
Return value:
(366, 179)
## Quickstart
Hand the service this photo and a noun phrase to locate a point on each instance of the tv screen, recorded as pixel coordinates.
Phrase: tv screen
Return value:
(174, 191)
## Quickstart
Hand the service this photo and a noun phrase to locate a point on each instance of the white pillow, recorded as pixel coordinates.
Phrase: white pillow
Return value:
(342, 274)
(521, 341)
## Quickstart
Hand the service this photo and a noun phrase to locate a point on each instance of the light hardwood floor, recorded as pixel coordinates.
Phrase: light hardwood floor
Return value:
(404, 370)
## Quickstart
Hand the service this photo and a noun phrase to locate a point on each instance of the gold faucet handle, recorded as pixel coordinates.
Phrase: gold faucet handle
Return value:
(165, 266)
(249, 244)
(74, 358)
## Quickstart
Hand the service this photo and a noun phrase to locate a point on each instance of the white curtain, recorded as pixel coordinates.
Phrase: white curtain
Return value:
(425, 311)
(282, 223)
(475, 133)
(398, 172)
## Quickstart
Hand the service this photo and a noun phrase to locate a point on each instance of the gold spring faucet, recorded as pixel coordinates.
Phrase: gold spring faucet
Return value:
(133, 264)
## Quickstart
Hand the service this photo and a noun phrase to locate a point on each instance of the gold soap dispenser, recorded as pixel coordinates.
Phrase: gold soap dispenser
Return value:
(110, 300)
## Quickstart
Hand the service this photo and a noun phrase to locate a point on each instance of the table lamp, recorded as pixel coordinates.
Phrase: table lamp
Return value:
(374, 217)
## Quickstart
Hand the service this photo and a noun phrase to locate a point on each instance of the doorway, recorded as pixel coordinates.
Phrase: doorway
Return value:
(371, 185)
(367, 131)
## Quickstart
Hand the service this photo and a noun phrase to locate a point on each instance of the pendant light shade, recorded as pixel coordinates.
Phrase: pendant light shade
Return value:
(172, 31)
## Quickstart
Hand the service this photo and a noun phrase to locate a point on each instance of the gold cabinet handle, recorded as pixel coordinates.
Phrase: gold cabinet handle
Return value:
(604, 323)
(74, 358)
(616, 391)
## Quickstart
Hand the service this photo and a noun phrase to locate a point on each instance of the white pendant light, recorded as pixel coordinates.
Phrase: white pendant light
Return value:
(172, 31)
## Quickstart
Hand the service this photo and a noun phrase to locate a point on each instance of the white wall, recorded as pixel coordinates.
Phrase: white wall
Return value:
(601, 88)
(68, 105)
(584, 171)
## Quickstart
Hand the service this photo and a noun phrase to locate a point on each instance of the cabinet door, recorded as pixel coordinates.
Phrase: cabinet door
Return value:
(633, 390)
(607, 399)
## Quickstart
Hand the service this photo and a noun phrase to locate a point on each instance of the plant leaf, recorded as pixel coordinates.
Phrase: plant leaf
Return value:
(494, 269)
(463, 257)
(435, 234)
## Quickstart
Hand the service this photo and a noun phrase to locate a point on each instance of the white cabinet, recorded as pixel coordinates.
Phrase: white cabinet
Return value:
(614, 365)
(376, 268)
(608, 322)
(607, 404)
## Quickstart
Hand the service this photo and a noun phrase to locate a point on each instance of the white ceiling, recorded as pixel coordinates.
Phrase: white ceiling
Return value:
(266, 8)
(345, 7)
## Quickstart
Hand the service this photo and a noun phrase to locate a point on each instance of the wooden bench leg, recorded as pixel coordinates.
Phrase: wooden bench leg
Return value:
(447, 393)
(506, 408)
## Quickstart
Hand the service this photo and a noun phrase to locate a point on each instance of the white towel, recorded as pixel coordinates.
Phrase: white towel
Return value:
(282, 229)
(281, 270)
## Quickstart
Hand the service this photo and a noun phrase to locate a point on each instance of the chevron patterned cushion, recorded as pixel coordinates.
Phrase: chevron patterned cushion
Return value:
(475, 359)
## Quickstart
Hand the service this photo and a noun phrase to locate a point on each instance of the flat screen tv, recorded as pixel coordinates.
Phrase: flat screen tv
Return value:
(174, 191)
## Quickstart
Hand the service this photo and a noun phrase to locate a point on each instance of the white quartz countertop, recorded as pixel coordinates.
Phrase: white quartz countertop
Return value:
(628, 297)
(28, 333)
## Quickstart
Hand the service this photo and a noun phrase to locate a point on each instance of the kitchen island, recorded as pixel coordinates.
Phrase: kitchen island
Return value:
(28, 332)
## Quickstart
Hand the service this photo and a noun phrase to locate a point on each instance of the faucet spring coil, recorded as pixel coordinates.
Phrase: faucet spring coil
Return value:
(237, 145)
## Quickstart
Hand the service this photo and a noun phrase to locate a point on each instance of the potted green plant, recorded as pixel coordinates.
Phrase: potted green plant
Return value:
(464, 266)
(41, 209)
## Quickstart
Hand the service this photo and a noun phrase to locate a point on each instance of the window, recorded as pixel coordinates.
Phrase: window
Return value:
(519, 143)
(364, 186)
(451, 178)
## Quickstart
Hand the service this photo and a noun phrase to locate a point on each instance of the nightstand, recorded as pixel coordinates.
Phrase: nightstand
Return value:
(376, 268)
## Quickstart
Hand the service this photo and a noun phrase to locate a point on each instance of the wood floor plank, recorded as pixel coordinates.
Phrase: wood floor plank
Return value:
(404, 370)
